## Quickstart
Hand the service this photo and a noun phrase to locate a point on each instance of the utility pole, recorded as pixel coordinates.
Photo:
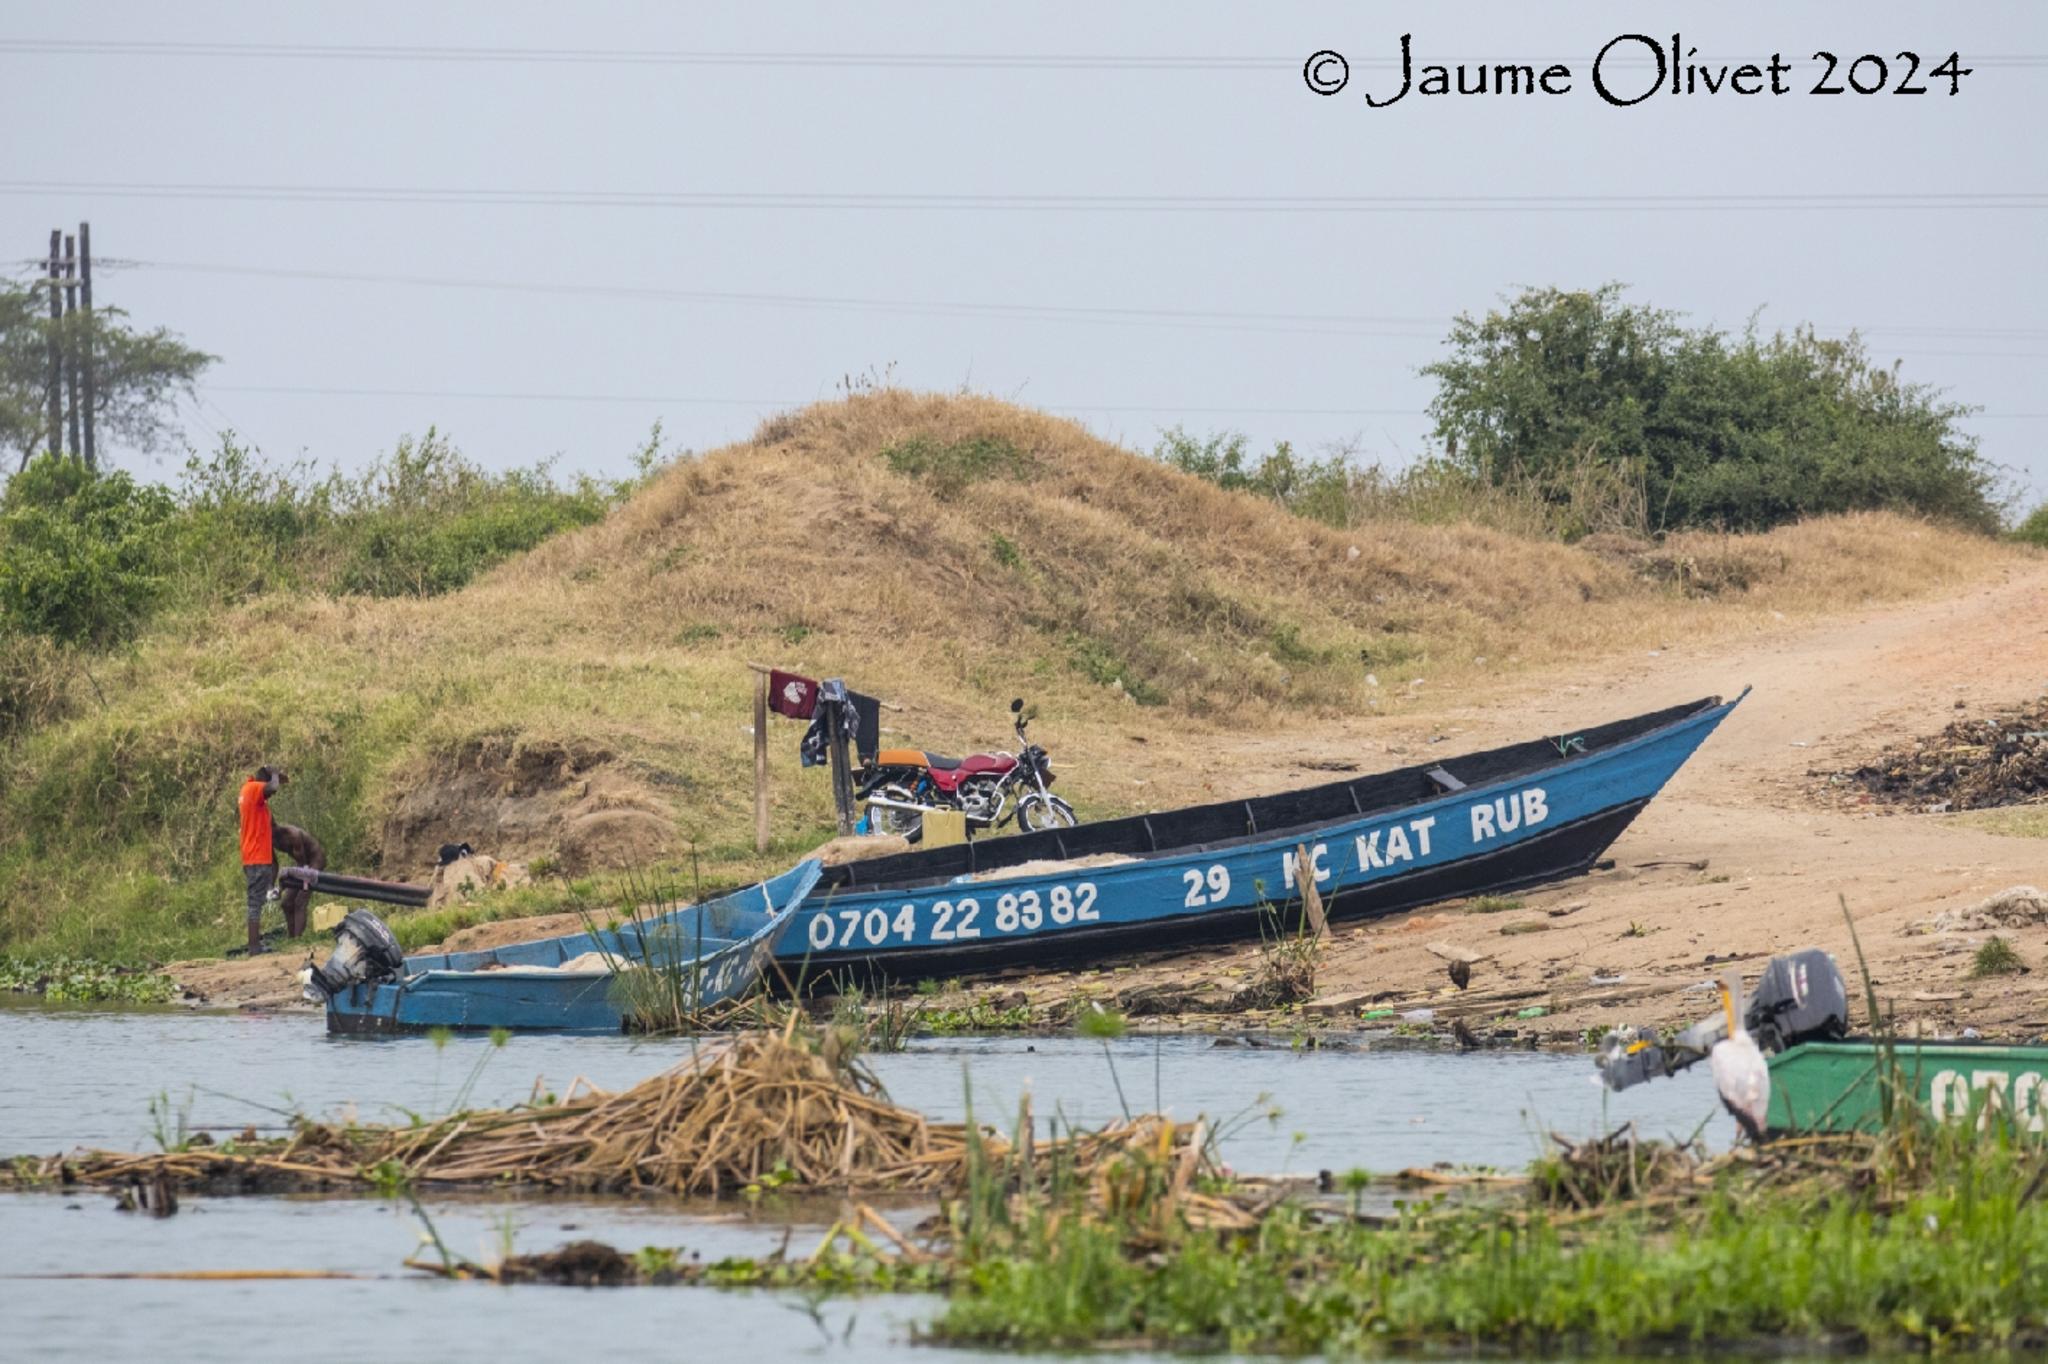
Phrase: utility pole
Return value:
(87, 347)
(70, 341)
(56, 350)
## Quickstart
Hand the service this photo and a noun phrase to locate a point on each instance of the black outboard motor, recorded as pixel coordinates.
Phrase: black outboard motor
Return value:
(364, 950)
(1801, 998)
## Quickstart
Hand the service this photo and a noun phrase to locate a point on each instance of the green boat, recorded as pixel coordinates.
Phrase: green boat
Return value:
(1823, 1080)
(1837, 1086)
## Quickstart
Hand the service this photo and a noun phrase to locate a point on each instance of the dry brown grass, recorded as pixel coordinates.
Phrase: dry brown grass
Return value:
(1116, 578)
(768, 1105)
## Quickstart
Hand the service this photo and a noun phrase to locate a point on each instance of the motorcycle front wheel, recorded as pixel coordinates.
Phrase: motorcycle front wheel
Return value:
(1036, 812)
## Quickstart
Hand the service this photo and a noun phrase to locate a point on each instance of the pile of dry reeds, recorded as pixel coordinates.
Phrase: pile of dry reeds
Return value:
(769, 1105)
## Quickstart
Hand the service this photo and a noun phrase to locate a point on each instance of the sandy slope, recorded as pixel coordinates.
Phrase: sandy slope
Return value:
(1826, 696)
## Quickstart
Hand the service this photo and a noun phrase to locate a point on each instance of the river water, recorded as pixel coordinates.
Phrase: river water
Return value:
(85, 1077)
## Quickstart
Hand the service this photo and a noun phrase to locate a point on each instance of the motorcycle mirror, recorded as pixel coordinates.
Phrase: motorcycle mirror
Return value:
(1017, 706)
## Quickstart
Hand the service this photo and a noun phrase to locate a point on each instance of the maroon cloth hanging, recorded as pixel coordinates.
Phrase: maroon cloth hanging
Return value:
(788, 694)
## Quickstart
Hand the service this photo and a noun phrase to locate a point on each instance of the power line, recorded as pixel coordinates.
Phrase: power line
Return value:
(311, 391)
(942, 61)
(1411, 327)
(1062, 203)
(1316, 324)
(301, 390)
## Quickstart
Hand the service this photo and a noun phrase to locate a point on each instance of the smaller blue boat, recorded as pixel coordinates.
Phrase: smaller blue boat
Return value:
(691, 959)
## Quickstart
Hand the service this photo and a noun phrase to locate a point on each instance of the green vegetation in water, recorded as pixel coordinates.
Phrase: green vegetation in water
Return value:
(171, 1124)
(1926, 1239)
(73, 980)
(1997, 958)
(1954, 1267)
(980, 1015)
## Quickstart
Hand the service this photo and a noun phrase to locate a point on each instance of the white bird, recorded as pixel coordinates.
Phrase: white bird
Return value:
(1740, 1074)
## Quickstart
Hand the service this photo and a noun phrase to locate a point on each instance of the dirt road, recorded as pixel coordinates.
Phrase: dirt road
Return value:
(1737, 857)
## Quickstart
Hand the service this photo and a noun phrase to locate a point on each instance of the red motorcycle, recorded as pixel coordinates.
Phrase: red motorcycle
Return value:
(989, 788)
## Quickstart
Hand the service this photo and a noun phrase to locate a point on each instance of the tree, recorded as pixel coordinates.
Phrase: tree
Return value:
(81, 554)
(24, 371)
(1742, 432)
(137, 375)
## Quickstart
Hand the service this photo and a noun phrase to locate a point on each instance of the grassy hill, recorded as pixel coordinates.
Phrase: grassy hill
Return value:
(587, 703)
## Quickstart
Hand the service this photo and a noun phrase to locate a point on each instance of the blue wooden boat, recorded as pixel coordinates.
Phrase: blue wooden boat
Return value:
(716, 950)
(1484, 822)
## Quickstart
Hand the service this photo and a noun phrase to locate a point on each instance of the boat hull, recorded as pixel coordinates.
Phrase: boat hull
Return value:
(1839, 1086)
(1526, 827)
(719, 948)
(519, 999)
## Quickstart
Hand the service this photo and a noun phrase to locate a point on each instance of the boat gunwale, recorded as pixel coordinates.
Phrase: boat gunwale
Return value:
(1709, 711)
(771, 914)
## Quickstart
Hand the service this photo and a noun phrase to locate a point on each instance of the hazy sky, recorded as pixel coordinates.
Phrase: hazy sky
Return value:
(1132, 319)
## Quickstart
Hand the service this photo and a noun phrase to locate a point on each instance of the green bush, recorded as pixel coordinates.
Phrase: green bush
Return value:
(81, 557)
(1319, 489)
(1566, 503)
(85, 560)
(2034, 530)
(426, 521)
(1741, 432)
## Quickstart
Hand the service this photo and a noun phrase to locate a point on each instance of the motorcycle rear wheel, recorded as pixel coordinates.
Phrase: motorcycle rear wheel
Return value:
(904, 822)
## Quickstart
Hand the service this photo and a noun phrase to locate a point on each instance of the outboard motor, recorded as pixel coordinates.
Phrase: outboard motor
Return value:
(364, 950)
(1629, 1056)
(1801, 998)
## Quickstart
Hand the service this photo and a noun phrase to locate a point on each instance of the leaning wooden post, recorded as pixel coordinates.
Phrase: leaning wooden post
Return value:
(761, 763)
(842, 776)
(1311, 898)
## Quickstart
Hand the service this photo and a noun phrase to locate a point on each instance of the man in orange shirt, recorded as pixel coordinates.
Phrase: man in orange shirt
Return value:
(259, 859)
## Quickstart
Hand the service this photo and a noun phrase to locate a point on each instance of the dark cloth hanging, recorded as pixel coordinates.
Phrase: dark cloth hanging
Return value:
(814, 751)
(791, 695)
(868, 731)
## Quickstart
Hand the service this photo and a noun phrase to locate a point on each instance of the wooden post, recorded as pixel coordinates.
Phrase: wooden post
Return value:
(761, 763)
(1311, 898)
(70, 341)
(56, 383)
(835, 745)
(85, 349)
(842, 776)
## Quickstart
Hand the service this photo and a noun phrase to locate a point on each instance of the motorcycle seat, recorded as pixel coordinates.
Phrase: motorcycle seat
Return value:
(940, 764)
(900, 757)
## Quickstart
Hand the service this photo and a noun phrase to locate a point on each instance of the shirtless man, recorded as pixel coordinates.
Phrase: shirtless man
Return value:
(304, 849)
